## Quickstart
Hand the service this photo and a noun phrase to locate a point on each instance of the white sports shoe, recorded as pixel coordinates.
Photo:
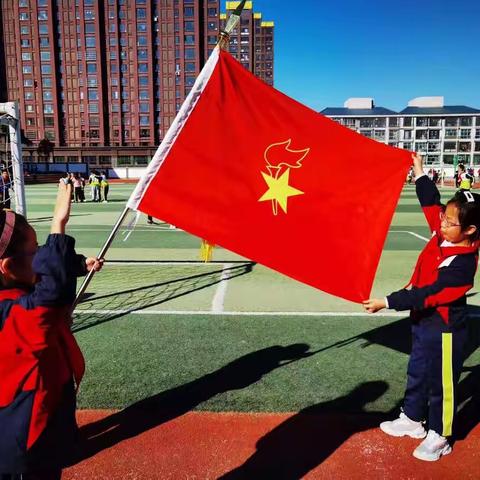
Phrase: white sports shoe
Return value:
(403, 426)
(432, 448)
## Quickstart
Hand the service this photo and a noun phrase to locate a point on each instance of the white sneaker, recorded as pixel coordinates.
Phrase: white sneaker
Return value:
(403, 426)
(432, 448)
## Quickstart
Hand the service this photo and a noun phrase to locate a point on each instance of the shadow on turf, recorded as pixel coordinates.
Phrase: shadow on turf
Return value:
(306, 439)
(165, 406)
(126, 301)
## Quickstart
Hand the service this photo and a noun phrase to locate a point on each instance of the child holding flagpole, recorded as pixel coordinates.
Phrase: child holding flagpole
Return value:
(41, 364)
(443, 275)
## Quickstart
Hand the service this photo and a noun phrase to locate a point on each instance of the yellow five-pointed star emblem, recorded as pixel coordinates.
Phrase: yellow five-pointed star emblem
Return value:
(279, 190)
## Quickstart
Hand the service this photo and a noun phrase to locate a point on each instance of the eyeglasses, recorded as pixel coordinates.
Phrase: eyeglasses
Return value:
(443, 219)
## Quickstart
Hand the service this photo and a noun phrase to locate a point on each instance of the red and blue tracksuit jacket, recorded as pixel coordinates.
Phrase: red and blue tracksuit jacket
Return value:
(444, 273)
(40, 362)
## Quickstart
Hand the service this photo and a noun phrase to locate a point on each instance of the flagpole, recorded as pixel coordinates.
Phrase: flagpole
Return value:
(224, 38)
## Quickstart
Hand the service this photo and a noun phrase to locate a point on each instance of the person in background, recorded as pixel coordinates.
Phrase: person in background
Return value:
(91, 182)
(104, 186)
(5, 186)
(464, 179)
(78, 184)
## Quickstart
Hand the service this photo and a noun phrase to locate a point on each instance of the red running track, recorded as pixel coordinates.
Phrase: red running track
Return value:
(204, 446)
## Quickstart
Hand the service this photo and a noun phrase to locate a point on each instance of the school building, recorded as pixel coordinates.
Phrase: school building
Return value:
(442, 133)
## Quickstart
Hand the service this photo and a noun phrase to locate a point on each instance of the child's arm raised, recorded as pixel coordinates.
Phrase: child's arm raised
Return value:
(428, 194)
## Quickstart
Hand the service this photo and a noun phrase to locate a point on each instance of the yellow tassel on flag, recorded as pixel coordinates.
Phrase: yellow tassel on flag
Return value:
(206, 251)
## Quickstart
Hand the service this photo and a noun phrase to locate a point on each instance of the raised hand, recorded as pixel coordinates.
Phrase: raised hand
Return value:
(61, 214)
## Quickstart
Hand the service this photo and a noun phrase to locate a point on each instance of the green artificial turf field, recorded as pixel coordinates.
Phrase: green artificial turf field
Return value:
(230, 335)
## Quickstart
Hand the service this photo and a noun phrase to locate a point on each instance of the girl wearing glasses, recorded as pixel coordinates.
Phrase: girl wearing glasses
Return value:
(437, 302)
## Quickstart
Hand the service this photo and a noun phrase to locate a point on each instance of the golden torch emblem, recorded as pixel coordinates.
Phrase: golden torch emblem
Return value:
(280, 158)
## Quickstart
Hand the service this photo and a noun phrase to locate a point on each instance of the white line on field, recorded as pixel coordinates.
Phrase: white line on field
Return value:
(243, 314)
(411, 233)
(219, 297)
(159, 263)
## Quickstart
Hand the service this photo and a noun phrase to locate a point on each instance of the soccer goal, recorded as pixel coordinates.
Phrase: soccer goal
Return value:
(12, 185)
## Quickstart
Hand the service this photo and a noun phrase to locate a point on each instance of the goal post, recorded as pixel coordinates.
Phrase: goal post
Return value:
(9, 115)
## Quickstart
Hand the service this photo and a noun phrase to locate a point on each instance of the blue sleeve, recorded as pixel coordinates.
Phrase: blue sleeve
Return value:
(56, 265)
(453, 283)
(427, 192)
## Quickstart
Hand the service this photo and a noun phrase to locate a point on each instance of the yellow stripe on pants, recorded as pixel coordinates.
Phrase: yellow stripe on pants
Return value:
(447, 382)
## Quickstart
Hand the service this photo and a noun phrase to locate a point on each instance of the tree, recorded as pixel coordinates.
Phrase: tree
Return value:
(44, 149)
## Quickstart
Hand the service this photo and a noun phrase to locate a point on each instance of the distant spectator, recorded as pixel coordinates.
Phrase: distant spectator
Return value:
(5, 186)
(78, 187)
(105, 186)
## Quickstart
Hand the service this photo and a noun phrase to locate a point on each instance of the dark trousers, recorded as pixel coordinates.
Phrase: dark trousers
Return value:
(78, 194)
(106, 188)
(433, 372)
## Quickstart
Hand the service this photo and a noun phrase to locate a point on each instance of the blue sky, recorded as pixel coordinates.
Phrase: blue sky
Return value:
(329, 50)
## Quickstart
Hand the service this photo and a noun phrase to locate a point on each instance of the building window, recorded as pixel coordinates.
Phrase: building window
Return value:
(43, 29)
(44, 42)
(29, 96)
(28, 82)
(46, 69)
(23, 3)
(89, 28)
(144, 108)
(188, 12)
(142, 68)
(48, 121)
(47, 108)
(212, 12)
(26, 56)
(189, 27)
(90, 41)
(143, 95)
(89, 15)
(212, 39)
(42, 15)
(407, 122)
(451, 121)
(29, 108)
(46, 82)
(24, 30)
(189, 54)
(92, 94)
(465, 121)
(45, 56)
(213, 26)
(91, 68)
(93, 108)
(189, 66)
(143, 81)
(189, 39)
(25, 43)
(47, 95)
(142, 54)
(141, 41)
(141, 27)
(465, 132)
(189, 81)
(141, 13)
(23, 16)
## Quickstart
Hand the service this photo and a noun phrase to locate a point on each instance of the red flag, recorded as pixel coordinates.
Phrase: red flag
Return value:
(253, 171)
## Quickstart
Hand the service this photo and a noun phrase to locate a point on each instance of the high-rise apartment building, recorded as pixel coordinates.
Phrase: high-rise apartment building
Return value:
(104, 79)
(251, 43)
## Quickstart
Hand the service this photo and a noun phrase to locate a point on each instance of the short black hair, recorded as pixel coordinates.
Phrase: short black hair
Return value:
(468, 211)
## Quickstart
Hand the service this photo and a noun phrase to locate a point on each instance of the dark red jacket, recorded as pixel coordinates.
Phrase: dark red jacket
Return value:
(443, 273)
(39, 356)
